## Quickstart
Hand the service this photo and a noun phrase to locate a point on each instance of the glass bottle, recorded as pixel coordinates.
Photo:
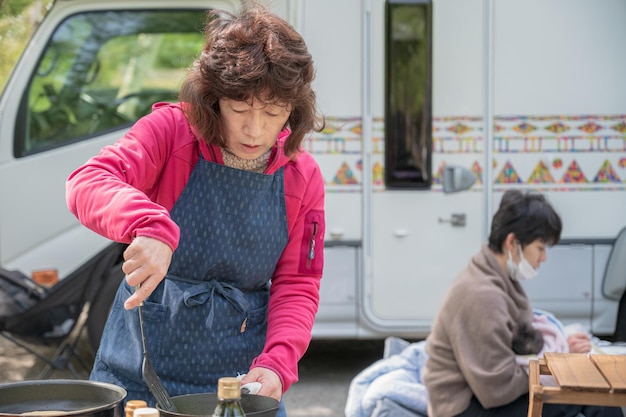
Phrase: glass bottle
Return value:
(228, 398)
(132, 405)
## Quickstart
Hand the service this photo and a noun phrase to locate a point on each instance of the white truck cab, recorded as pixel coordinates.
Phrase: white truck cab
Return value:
(434, 109)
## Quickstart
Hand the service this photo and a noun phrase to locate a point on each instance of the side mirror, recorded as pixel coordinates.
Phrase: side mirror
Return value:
(456, 178)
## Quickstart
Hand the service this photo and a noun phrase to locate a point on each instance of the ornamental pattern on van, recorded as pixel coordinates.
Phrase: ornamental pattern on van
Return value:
(558, 153)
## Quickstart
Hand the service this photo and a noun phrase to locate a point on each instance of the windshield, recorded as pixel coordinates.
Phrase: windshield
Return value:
(102, 71)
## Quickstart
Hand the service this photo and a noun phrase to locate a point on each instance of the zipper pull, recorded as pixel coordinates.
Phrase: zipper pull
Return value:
(312, 246)
(312, 251)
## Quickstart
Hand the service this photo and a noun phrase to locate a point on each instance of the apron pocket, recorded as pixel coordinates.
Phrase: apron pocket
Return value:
(255, 332)
(121, 349)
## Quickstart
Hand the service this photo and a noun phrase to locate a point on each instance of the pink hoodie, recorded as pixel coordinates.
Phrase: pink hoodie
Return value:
(129, 188)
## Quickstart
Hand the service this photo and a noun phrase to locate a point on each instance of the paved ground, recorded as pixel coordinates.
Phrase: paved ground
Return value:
(325, 372)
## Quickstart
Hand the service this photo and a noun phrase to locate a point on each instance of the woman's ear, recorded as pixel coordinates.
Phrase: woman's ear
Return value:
(509, 242)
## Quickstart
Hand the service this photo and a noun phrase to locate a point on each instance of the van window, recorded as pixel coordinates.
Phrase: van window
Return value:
(408, 109)
(101, 71)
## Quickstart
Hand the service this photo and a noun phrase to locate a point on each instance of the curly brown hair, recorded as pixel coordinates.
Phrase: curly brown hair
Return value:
(253, 54)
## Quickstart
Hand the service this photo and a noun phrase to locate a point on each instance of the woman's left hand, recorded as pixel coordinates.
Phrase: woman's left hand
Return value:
(270, 382)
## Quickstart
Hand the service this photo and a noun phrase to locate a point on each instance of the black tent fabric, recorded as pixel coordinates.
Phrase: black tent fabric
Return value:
(53, 316)
(18, 292)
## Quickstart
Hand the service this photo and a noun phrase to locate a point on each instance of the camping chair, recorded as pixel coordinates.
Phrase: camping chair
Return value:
(614, 284)
(59, 316)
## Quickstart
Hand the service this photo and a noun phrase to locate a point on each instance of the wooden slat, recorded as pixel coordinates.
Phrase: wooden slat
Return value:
(613, 367)
(575, 371)
(555, 395)
(535, 390)
(533, 373)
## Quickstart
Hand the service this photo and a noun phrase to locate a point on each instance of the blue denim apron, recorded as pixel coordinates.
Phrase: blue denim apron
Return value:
(208, 318)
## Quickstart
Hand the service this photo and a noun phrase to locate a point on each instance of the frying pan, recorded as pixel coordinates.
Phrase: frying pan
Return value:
(61, 397)
(195, 405)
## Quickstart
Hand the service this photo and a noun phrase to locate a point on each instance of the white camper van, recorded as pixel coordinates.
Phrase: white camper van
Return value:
(434, 109)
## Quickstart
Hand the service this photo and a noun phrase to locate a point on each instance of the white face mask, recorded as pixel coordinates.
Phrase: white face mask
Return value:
(523, 271)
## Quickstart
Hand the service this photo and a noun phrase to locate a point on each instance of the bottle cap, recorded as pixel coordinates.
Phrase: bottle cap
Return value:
(146, 412)
(228, 388)
(132, 405)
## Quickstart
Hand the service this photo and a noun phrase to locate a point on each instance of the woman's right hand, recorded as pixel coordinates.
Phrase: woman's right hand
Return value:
(579, 343)
(146, 261)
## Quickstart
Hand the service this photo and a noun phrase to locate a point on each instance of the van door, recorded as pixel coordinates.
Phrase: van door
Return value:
(421, 237)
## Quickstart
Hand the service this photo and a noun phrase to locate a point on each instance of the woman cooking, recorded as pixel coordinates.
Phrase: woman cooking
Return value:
(223, 214)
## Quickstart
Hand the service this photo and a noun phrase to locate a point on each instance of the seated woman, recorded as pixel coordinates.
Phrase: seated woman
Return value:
(471, 368)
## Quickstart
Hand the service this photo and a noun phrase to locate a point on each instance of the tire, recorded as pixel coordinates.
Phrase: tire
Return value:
(99, 310)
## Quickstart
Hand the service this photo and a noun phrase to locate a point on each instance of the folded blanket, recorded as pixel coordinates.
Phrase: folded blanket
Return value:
(396, 378)
(554, 334)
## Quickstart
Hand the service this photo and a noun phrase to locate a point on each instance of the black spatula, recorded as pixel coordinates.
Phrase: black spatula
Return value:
(149, 374)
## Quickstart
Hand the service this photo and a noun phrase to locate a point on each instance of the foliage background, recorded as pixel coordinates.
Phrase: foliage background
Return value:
(18, 21)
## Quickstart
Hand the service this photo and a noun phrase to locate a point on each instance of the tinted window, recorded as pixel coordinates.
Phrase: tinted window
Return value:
(408, 131)
(102, 71)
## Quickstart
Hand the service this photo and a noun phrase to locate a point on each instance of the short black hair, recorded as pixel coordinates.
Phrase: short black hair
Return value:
(529, 216)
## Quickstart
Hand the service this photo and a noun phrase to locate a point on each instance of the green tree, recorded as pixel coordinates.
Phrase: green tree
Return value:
(18, 21)
(13, 7)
